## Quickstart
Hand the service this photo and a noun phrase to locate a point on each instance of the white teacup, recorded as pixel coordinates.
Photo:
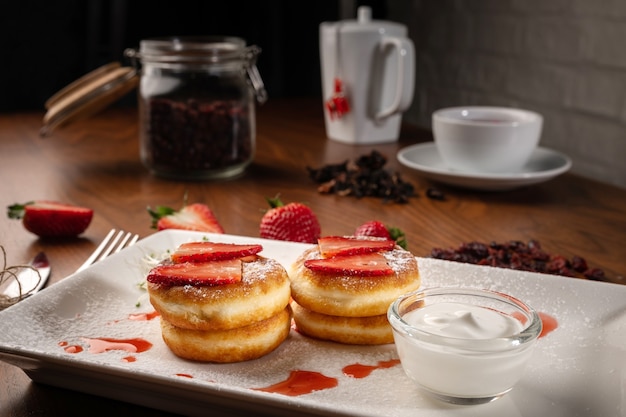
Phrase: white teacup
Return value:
(486, 139)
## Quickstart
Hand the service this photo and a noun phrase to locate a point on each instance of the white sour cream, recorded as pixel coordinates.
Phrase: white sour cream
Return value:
(475, 363)
(463, 321)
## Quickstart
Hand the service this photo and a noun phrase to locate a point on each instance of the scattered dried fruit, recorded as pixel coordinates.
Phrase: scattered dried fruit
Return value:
(365, 177)
(521, 256)
(435, 194)
(50, 219)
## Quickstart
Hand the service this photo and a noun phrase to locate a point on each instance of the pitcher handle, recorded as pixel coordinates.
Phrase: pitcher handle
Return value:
(405, 78)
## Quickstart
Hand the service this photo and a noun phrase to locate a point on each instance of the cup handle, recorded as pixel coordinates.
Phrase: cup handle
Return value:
(405, 82)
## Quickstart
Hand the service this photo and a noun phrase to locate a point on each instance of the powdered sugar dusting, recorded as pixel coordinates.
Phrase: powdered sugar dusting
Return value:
(260, 269)
(400, 260)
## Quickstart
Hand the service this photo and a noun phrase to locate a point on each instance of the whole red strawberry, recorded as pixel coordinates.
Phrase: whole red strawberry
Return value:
(196, 217)
(294, 222)
(377, 228)
(50, 219)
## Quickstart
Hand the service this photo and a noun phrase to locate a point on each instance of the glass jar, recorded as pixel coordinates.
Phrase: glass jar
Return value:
(196, 106)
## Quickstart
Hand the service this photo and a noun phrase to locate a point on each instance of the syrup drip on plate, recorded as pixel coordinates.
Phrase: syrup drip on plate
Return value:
(358, 370)
(71, 348)
(139, 317)
(143, 316)
(105, 344)
(101, 345)
(302, 382)
(549, 324)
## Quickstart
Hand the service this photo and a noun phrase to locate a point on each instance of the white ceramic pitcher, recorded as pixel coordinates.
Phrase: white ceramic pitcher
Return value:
(375, 63)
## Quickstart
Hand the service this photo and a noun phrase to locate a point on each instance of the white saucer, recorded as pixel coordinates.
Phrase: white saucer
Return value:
(544, 164)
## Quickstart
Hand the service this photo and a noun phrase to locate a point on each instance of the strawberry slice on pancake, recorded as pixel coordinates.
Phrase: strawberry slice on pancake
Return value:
(198, 274)
(212, 251)
(370, 264)
(332, 246)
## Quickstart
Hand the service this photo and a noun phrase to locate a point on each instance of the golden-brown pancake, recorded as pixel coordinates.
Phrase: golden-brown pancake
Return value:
(372, 330)
(349, 295)
(228, 346)
(262, 292)
(221, 309)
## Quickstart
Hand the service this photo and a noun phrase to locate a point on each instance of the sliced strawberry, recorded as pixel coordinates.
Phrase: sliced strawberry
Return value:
(371, 264)
(188, 273)
(331, 246)
(50, 219)
(212, 251)
(197, 217)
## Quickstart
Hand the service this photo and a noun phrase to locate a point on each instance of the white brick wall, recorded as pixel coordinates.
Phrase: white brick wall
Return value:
(563, 58)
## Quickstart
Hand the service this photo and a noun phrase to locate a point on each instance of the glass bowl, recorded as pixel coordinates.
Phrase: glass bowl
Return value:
(462, 345)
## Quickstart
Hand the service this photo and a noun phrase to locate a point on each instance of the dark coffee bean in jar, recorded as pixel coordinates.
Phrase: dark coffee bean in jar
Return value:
(196, 104)
(188, 136)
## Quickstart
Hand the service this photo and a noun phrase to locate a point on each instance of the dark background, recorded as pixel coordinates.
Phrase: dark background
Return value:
(48, 44)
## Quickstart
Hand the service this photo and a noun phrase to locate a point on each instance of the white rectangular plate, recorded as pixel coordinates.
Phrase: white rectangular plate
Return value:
(579, 369)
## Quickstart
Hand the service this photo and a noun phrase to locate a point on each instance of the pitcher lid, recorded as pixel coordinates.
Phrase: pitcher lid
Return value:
(365, 23)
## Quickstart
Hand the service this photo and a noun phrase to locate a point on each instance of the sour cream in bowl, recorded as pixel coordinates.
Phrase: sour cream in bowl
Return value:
(462, 345)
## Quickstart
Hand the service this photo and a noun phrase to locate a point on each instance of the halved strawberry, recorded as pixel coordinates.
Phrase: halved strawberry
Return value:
(331, 246)
(50, 219)
(212, 251)
(197, 217)
(189, 273)
(371, 264)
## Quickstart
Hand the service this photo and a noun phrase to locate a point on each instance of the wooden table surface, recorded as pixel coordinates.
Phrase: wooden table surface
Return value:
(95, 163)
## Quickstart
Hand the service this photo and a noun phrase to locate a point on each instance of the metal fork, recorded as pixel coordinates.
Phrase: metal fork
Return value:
(102, 251)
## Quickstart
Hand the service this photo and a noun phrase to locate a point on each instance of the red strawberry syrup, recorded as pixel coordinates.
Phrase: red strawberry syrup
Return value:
(301, 382)
(143, 316)
(358, 370)
(549, 324)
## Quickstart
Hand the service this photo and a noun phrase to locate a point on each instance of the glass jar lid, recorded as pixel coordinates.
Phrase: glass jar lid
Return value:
(89, 94)
(192, 49)
(204, 52)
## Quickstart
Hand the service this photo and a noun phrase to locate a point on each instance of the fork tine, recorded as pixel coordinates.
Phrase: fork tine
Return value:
(94, 255)
(123, 242)
(127, 241)
(133, 240)
(108, 244)
(109, 248)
